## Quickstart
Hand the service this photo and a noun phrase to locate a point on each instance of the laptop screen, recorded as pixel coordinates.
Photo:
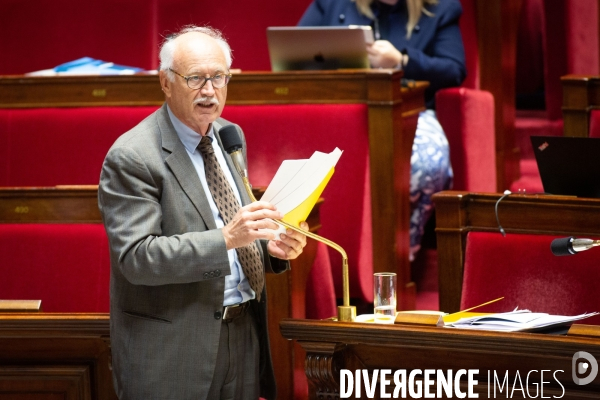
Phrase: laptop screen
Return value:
(318, 48)
(568, 165)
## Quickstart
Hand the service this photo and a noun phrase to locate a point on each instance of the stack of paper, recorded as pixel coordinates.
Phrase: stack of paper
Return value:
(518, 320)
(87, 66)
(297, 185)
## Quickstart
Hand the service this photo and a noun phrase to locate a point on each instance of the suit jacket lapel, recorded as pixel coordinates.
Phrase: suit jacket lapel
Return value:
(180, 164)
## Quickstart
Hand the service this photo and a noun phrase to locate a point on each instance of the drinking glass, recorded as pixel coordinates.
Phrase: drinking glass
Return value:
(384, 286)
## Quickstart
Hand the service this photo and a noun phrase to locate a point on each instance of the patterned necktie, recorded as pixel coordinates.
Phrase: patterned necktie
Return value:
(228, 205)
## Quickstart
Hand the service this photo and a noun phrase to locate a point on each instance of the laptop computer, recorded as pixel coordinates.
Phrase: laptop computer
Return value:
(568, 165)
(317, 48)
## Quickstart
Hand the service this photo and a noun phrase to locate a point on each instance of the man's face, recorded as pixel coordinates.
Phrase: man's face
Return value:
(196, 54)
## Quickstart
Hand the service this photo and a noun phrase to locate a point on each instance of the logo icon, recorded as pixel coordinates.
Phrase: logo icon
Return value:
(581, 368)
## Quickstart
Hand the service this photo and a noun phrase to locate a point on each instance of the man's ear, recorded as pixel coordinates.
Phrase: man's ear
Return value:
(165, 83)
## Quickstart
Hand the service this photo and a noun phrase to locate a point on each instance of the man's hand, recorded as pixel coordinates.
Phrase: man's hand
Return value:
(383, 54)
(291, 244)
(243, 229)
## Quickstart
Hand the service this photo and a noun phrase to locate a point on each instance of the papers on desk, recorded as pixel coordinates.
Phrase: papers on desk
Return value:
(517, 321)
(87, 66)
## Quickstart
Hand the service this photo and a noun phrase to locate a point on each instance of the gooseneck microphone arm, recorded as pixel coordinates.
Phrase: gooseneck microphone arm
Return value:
(233, 145)
(571, 245)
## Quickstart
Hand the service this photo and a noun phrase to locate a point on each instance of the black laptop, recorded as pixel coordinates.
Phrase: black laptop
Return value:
(568, 165)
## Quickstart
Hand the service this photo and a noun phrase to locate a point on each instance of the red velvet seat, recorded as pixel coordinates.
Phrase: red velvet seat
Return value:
(45, 33)
(60, 146)
(523, 270)
(66, 266)
(247, 36)
(594, 123)
(66, 146)
(467, 117)
(295, 132)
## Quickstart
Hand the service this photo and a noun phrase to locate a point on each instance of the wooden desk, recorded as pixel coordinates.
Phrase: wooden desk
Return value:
(332, 346)
(458, 213)
(80, 205)
(51, 356)
(581, 94)
(392, 119)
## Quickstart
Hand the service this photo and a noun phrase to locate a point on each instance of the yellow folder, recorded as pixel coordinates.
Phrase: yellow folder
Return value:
(301, 212)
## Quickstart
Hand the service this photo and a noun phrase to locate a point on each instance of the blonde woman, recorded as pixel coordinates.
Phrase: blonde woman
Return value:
(423, 38)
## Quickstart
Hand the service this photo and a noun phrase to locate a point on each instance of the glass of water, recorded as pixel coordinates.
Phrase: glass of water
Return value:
(384, 286)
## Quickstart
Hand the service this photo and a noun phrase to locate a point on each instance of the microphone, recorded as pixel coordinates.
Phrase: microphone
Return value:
(232, 142)
(571, 245)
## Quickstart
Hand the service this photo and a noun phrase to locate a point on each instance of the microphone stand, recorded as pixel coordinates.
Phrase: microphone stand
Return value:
(346, 312)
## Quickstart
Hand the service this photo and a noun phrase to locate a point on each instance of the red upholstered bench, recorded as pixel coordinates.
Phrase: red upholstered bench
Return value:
(54, 249)
(66, 146)
(346, 213)
(522, 269)
(63, 263)
(467, 116)
(594, 123)
(66, 266)
(60, 146)
(47, 33)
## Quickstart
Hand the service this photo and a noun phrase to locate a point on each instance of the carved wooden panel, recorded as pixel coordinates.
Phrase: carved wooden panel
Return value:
(55, 356)
(332, 346)
(69, 382)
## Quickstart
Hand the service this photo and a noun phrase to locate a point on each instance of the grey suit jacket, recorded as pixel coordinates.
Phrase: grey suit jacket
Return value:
(168, 262)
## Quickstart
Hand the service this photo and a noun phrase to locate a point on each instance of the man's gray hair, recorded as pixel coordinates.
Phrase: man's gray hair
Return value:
(167, 48)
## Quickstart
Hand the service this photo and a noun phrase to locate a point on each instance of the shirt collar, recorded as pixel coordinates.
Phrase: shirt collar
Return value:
(188, 137)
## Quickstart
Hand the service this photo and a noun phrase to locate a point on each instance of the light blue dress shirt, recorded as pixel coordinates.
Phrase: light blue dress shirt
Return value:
(237, 287)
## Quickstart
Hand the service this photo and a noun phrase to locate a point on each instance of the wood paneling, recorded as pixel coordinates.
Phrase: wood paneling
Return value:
(55, 356)
(581, 94)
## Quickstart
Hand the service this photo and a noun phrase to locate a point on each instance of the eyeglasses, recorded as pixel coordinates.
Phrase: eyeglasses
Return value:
(197, 82)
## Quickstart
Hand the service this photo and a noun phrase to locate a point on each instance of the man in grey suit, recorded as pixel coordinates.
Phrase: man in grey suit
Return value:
(188, 320)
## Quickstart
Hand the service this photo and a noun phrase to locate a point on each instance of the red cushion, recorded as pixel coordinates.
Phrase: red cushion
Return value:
(47, 33)
(243, 24)
(467, 117)
(468, 30)
(60, 146)
(295, 132)
(571, 46)
(529, 73)
(523, 270)
(65, 265)
(582, 37)
(594, 123)
(320, 292)
(530, 180)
